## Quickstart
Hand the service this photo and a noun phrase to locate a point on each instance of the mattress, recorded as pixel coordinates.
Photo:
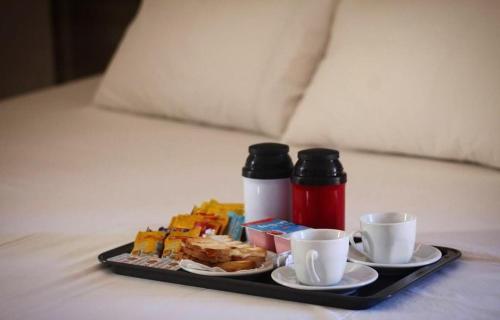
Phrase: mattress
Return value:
(76, 180)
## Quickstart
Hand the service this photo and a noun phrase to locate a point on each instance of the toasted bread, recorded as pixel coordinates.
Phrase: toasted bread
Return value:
(221, 249)
(207, 244)
(232, 266)
(252, 253)
(207, 250)
(209, 257)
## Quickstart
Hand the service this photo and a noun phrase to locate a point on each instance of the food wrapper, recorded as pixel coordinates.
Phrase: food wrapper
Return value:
(173, 243)
(202, 223)
(185, 233)
(181, 221)
(235, 228)
(148, 261)
(148, 243)
(210, 218)
(172, 247)
(213, 206)
(211, 221)
(219, 211)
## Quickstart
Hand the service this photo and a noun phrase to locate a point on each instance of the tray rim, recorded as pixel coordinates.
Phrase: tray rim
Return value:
(246, 286)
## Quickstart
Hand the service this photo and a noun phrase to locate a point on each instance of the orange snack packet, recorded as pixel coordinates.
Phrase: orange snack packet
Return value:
(218, 211)
(185, 222)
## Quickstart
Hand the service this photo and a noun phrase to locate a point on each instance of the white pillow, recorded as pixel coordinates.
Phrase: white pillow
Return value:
(239, 64)
(413, 77)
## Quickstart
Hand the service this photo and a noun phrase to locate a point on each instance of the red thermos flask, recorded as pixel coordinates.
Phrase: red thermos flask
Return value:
(318, 189)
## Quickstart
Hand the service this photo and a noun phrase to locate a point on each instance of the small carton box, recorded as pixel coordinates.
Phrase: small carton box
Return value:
(272, 234)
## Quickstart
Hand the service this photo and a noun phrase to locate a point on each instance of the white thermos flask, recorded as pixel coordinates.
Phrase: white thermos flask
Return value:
(266, 182)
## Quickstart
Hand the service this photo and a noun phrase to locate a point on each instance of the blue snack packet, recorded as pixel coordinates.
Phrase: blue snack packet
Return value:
(235, 227)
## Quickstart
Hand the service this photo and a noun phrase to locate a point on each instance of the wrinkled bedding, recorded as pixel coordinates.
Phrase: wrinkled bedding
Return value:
(76, 180)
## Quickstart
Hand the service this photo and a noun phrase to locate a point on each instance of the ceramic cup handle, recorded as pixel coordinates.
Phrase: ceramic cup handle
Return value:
(311, 256)
(353, 244)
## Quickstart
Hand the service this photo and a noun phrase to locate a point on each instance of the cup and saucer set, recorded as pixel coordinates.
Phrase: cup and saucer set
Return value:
(322, 259)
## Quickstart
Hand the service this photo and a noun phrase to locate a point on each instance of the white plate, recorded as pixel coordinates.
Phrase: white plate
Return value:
(355, 276)
(424, 255)
(197, 268)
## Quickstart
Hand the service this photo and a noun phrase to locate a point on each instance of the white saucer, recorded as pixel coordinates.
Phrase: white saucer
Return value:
(355, 276)
(198, 268)
(424, 255)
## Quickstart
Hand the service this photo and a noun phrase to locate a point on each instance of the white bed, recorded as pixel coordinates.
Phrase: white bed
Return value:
(76, 180)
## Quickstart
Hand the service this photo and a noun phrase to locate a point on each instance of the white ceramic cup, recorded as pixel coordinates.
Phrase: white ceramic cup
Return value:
(387, 237)
(319, 255)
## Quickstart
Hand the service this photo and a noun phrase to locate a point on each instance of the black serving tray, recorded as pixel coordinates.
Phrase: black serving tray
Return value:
(388, 283)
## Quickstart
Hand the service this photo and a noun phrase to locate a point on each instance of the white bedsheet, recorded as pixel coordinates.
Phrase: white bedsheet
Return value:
(76, 180)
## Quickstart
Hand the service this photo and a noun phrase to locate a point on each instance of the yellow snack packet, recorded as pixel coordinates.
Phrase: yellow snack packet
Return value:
(185, 233)
(216, 222)
(148, 243)
(173, 243)
(213, 206)
(203, 222)
(214, 209)
(172, 247)
(182, 221)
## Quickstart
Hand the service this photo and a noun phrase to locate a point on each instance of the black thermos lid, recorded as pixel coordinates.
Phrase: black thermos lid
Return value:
(318, 167)
(268, 161)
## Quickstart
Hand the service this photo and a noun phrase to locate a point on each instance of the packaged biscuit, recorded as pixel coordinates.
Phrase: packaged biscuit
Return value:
(210, 218)
(213, 206)
(172, 247)
(235, 228)
(203, 223)
(148, 243)
(148, 261)
(173, 243)
(218, 211)
(182, 221)
(211, 221)
(185, 233)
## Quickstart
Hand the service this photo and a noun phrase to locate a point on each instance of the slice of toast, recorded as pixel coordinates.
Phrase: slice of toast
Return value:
(220, 249)
(207, 244)
(256, 254)
(233, 266)
(242, 251)
(207, 250)
(204, 257)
